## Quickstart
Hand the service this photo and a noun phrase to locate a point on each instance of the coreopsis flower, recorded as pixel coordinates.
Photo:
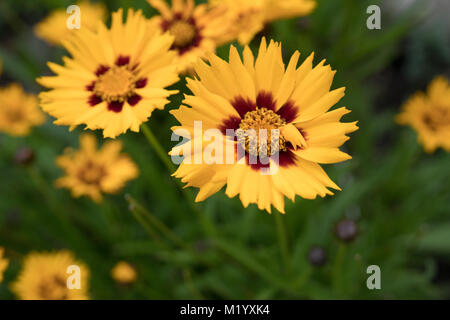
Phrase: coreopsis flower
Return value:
(52, 276)
(124, 273)
(250, 16)
(91, 171)
(196, 28)
(19, 111)
(3, 263)
(116, 78)
(54, 28)
(235, 97)
(429, 114)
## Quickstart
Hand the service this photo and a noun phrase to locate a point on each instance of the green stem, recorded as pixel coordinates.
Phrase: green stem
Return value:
(144, 223)
(158, 148)
(304, 277)
(337, 267)
(282, 238)
(42, 185)
(157, 223)
(191, 285)
(162, 227)
(60, 212)
(254, 266)
(208, 226)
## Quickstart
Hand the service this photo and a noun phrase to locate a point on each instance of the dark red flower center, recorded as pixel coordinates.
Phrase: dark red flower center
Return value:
(257, 115)
(92, 173)
(116, 85)
(53, 288)
(436, 118)
(185, 31)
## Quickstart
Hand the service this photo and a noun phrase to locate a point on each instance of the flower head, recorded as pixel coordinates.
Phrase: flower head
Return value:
(249, 16)
(291, 103)
(91, 171)
(54, 30)
(19, 111)
(45, 276)
(429, 115)
(3, 263)
(115, 79)
(124, 273)
(196, 28)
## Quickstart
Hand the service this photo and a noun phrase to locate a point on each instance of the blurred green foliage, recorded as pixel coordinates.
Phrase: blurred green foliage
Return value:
(398, 195)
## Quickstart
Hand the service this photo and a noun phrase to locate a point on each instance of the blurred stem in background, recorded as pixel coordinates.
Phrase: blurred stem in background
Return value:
(337, 267)
(142, 215)
(187, 276)
(158, 148)
(138, 210)
(149, 221)
(141, 220)
(207, 224)
(59, 211)
(239, 255)
(282, 239)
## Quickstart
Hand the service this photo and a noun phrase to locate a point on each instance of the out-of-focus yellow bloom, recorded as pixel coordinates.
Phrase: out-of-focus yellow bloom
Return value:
(254, 94)
(196, 29)
(124, 273)
(429, 114)
(19, 111)
(116, 78)
(250, 16)
(54, 29)
(285, 9)
(91, 171)
(45, 276)
(3, 263)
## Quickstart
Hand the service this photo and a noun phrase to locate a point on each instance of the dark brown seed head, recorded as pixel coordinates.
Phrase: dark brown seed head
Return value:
(346, 230)
(317, 256)
(24, 156)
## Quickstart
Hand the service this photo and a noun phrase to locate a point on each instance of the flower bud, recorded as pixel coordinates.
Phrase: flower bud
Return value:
(317, 256)
(346, 230)
(24, 156)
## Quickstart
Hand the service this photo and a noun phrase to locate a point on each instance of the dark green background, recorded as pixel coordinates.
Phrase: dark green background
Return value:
(398, 195)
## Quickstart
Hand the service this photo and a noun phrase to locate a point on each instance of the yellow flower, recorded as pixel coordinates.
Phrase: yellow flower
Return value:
(19, 111)
(54, 30)
(232, 98)
(429, 115)
(91, 171)
(124, 273)
(3, 263)
(196, 28)
(47, 276)
(250, 16)
(285, 9)
(115, 79)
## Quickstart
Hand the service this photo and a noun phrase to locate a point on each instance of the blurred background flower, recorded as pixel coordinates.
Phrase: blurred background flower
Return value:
(19, 111)
(124, 273)
(91, 171)
(3, 263)
(54, 30)
(429, 115)
(44, 276)
(196, 29)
